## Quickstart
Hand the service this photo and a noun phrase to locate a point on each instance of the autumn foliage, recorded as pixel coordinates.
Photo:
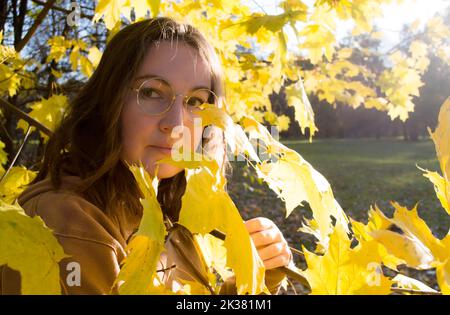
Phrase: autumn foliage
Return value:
(349, 257)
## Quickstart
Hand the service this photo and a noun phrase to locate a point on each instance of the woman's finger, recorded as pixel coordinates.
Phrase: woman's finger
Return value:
(277, 261)
(266, 237)
(272, 250)
(258, 224)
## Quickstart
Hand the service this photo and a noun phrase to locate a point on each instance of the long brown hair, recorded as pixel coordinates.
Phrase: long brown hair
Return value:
(88, 144)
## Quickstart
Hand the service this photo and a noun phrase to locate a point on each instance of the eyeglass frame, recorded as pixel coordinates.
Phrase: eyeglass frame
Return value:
(174, 95)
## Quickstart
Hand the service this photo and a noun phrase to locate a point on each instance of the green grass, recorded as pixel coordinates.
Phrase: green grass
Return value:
(361, 172)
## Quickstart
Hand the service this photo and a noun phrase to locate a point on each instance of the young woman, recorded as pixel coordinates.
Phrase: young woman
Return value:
(85, 192)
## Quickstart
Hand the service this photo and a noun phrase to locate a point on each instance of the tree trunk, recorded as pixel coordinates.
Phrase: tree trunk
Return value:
(3, 14)
(405, 132)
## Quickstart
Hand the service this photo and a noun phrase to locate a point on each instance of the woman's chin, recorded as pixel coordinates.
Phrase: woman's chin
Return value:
(163, 170)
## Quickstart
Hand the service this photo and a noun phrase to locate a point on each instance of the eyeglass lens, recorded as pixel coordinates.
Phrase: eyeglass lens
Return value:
(156, 96)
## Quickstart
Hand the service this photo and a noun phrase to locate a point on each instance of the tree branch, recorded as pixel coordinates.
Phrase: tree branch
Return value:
(8, 106)
(54, 7)
(35, 25)
(288, 271)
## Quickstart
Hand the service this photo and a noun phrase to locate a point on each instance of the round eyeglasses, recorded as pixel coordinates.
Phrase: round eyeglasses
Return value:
(155, 97)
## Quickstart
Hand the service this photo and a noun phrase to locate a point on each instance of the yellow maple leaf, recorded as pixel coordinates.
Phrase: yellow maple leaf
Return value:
(58, 47)
(110, 11)
(405, 282)
(440, 138)
(28, 246)
(6, 52)
(441, 187)
(215, 253)
(205, 207)
(86, 66)
(345, 53)
(443, 276)
(283, 122)
(48, 112)
(234, 134)
(9, 80)
(407, 249)
(416, 228)
(415, 245)
(15, 182)
(273, 23)
(3, 158)
(138, 273)
(418, 49)
(294, 180)
(343, 270)
(94, 56)
(75, 57)
(400, 249)
(297, 98)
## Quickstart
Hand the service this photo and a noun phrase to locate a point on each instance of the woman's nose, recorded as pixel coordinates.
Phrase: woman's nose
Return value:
(174, 117)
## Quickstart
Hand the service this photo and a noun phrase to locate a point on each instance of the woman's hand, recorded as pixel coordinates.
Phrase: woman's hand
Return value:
(270, 243)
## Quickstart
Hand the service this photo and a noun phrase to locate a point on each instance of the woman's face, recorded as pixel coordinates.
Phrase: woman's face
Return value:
(148, 138)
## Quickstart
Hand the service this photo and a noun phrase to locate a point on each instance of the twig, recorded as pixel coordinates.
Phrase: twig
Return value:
(288, 271)
(189, 262)
(254, 1)
(166, 269)
(16, 71)
(413, 291)
(297, 251)
(17, 154)
(7, 133)
(35, 25)
(8, 106)
(293, 286)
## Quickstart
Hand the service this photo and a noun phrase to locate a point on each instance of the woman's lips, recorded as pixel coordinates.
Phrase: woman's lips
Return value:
(164, 150)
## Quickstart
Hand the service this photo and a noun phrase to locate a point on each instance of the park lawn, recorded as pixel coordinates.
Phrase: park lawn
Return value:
(362, 172)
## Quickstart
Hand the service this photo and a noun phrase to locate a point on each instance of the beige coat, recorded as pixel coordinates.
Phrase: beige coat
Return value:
(97, 242)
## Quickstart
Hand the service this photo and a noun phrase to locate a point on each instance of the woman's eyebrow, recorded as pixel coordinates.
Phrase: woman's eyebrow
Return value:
(148, 76)
(151, 76)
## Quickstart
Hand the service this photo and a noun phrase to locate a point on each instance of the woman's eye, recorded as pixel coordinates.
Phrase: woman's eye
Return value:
(195, 101)
(150, 93)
